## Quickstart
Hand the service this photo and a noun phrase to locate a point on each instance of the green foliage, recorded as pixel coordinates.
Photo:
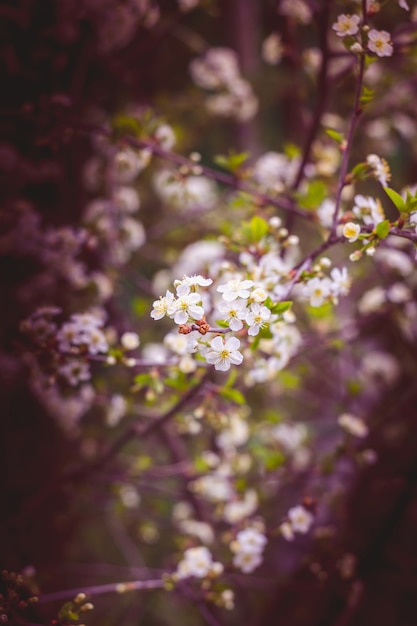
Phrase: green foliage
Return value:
(278, 308)
(126, 125)
(382, 229)
(314, 195)
(232, 162)
(255, 230)
(396, 199)
(228, 392)
(360, 171)
(234, 395)
(367, 94)
(270, 458)
(334, 134)
(289, 380)
(404, 206)
(70, 613)
(320, 312)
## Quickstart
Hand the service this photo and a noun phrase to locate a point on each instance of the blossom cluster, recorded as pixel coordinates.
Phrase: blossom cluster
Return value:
(247, 302)
(198, 562)
(299, 520)
(248, 548)
(376, 41)
(218, 70)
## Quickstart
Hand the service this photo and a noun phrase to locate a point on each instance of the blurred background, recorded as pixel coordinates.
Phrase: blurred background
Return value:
(71, 66)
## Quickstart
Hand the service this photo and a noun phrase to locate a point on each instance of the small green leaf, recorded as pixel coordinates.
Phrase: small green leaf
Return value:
(281, 307)
(221, 160)
(382, 229)
(410, 202)
(179, 383)
(68, 613)
(314, 196)
(369, 60)
(367, 95)
(222, 324)
(143, 379)
(124, 124)
(359, 172)
(200, 465)
(259, 228)
(291, 150)
(232, 161)
(395, 198)
(232, 378)
(334, 134)
(289, 380)
(320, 312)
(234, 395)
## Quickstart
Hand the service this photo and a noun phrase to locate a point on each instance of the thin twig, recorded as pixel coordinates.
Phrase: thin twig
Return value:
(356, 112)
(96, 590)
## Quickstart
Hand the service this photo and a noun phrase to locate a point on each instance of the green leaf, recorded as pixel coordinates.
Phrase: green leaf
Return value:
(320, 312)
(222, 324)
(410, 202)
(411, 206)
(334, 134)
(143, 379)
(200, 465)
(367, 95)
(270, 459)
(233, 161)
(233, 394)
(123, 124)
(232, 378)
(395, 198)
(360, 171)
(369, 60)
(180, 383)
(314, 196)
(281, 307)
(291, 150)
(68, 613)
(382, 229)
(140, 306)
(259, 228)
(289, 380)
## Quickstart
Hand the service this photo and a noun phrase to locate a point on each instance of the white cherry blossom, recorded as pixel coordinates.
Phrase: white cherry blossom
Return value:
(235, 288)
(379, 41)
(301, 520)
(351, 231)
(317, 290)
(257, 318)
(340, 281)
(233, 313)
(346, 25)
(247, 561)
(249, 540)
(368, 209)
(184, 307)
(197, 562)
(161, 306)
(222, 354)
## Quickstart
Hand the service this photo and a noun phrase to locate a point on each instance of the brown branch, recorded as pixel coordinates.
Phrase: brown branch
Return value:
(229, 180)
(323, 23)
(95, 590)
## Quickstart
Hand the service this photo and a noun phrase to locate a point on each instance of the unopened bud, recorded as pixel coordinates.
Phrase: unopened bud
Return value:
(80, 597)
